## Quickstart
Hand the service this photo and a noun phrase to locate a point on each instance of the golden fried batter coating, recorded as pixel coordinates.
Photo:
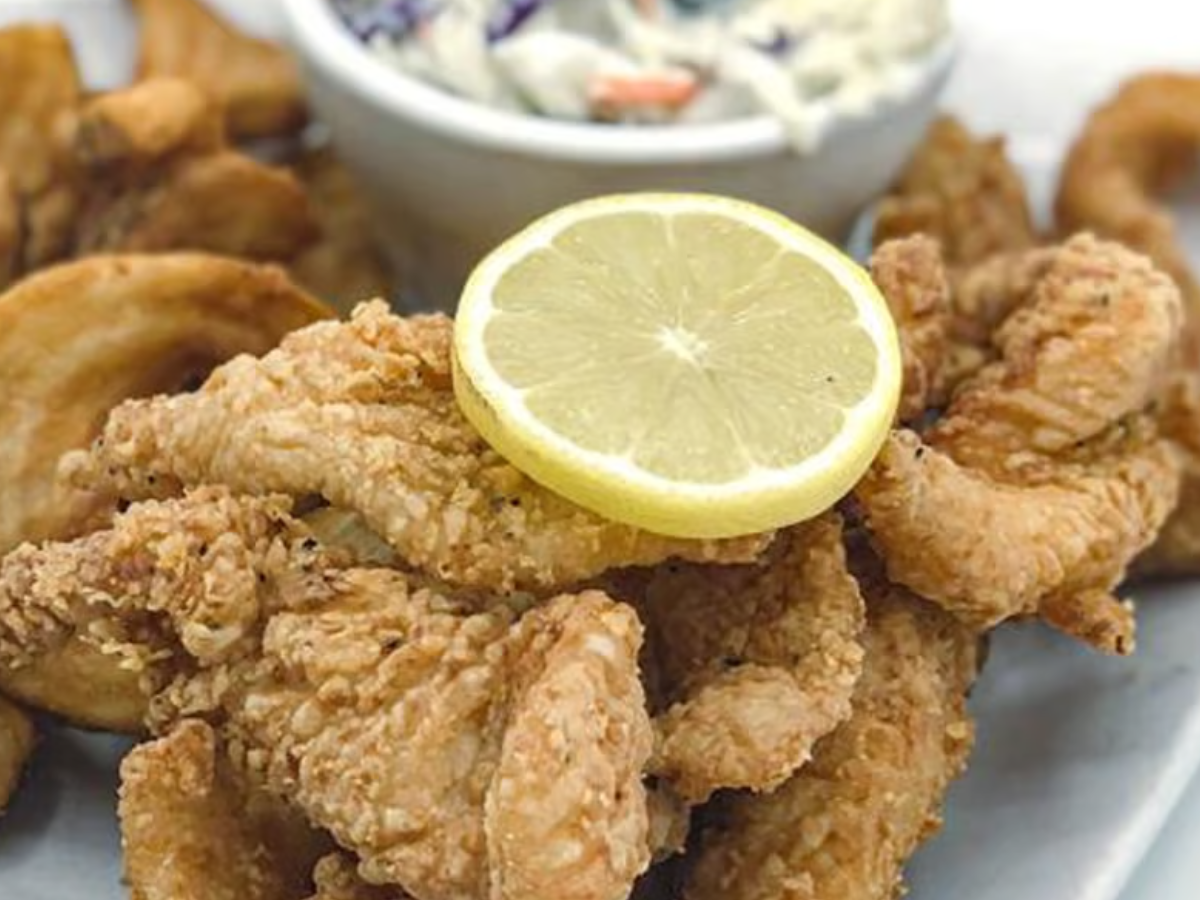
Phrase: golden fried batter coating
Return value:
(1044, 478)
(487, 755)
(337, 878)
(16, 744)
(844, 827)
(1131, 150)
(758, 661)
(962, 191)
(988, 551)
(127, 131)
(363, 413)
(190, 832)
(159, 177)
(78, 339)
(910, 274)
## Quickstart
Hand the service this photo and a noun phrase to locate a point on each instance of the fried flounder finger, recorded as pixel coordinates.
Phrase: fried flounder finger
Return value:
(1132, 150)
(363, 413)
(256, 82)
(910, 274)
(1048, 451)
(74, 341)
(16, 744)
(845, 825)
(336, 878)
(961, 191)
(758, 662)
(489, 755)
(190, 832)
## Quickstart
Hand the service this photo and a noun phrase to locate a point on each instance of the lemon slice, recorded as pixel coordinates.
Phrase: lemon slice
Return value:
(694, 365)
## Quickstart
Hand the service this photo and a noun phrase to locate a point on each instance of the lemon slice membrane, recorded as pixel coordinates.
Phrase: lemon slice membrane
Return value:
(694, 365)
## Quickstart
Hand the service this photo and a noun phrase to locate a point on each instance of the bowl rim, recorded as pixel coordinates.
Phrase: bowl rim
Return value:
(322, 40)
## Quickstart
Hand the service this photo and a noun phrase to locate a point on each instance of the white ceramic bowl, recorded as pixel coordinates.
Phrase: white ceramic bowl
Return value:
(449, 178)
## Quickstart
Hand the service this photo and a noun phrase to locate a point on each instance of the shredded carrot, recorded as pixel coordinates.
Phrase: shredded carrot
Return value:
(624, 92)
(648, 8)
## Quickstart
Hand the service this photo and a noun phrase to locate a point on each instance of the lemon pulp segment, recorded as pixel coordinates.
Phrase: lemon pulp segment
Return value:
(691, 364)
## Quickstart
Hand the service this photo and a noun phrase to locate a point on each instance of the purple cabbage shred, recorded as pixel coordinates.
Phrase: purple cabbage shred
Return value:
(510, 17)
(394, 19)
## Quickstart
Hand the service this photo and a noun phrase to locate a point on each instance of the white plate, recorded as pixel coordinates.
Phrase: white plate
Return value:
(1080, 758)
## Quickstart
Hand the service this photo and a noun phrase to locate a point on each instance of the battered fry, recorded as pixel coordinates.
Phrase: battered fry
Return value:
(75, 341)
(345, 265)
(1132, 150)
(40, 93)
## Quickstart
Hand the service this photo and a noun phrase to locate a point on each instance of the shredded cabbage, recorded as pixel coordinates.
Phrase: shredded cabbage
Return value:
(658, 61)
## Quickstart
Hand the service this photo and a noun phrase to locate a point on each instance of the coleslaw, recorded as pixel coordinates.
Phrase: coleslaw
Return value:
(659, 61)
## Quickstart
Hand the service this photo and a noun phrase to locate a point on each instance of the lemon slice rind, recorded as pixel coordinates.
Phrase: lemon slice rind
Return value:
(615, 487)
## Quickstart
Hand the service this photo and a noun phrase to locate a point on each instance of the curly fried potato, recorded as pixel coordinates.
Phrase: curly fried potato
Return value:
(256, 82)
(75, 341)
(346, 264)
(40, 93)
(1132, 149)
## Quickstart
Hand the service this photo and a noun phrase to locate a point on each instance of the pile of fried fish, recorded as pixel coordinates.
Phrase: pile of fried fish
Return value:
(371, 659)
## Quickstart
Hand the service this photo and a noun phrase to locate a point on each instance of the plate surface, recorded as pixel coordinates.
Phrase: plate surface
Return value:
(1080, 758)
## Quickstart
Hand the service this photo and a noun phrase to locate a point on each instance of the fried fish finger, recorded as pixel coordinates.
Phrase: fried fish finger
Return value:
(363, 413)
(1049, 451)
(962, 191)
(474, 755)
(845, 825)
(758, 662)
(189, 833)
(16, 744)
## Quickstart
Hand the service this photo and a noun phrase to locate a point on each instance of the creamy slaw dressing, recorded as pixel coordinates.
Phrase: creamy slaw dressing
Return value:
(660, 61)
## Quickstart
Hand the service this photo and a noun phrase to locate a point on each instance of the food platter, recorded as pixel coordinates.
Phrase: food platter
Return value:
(1081, 758)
